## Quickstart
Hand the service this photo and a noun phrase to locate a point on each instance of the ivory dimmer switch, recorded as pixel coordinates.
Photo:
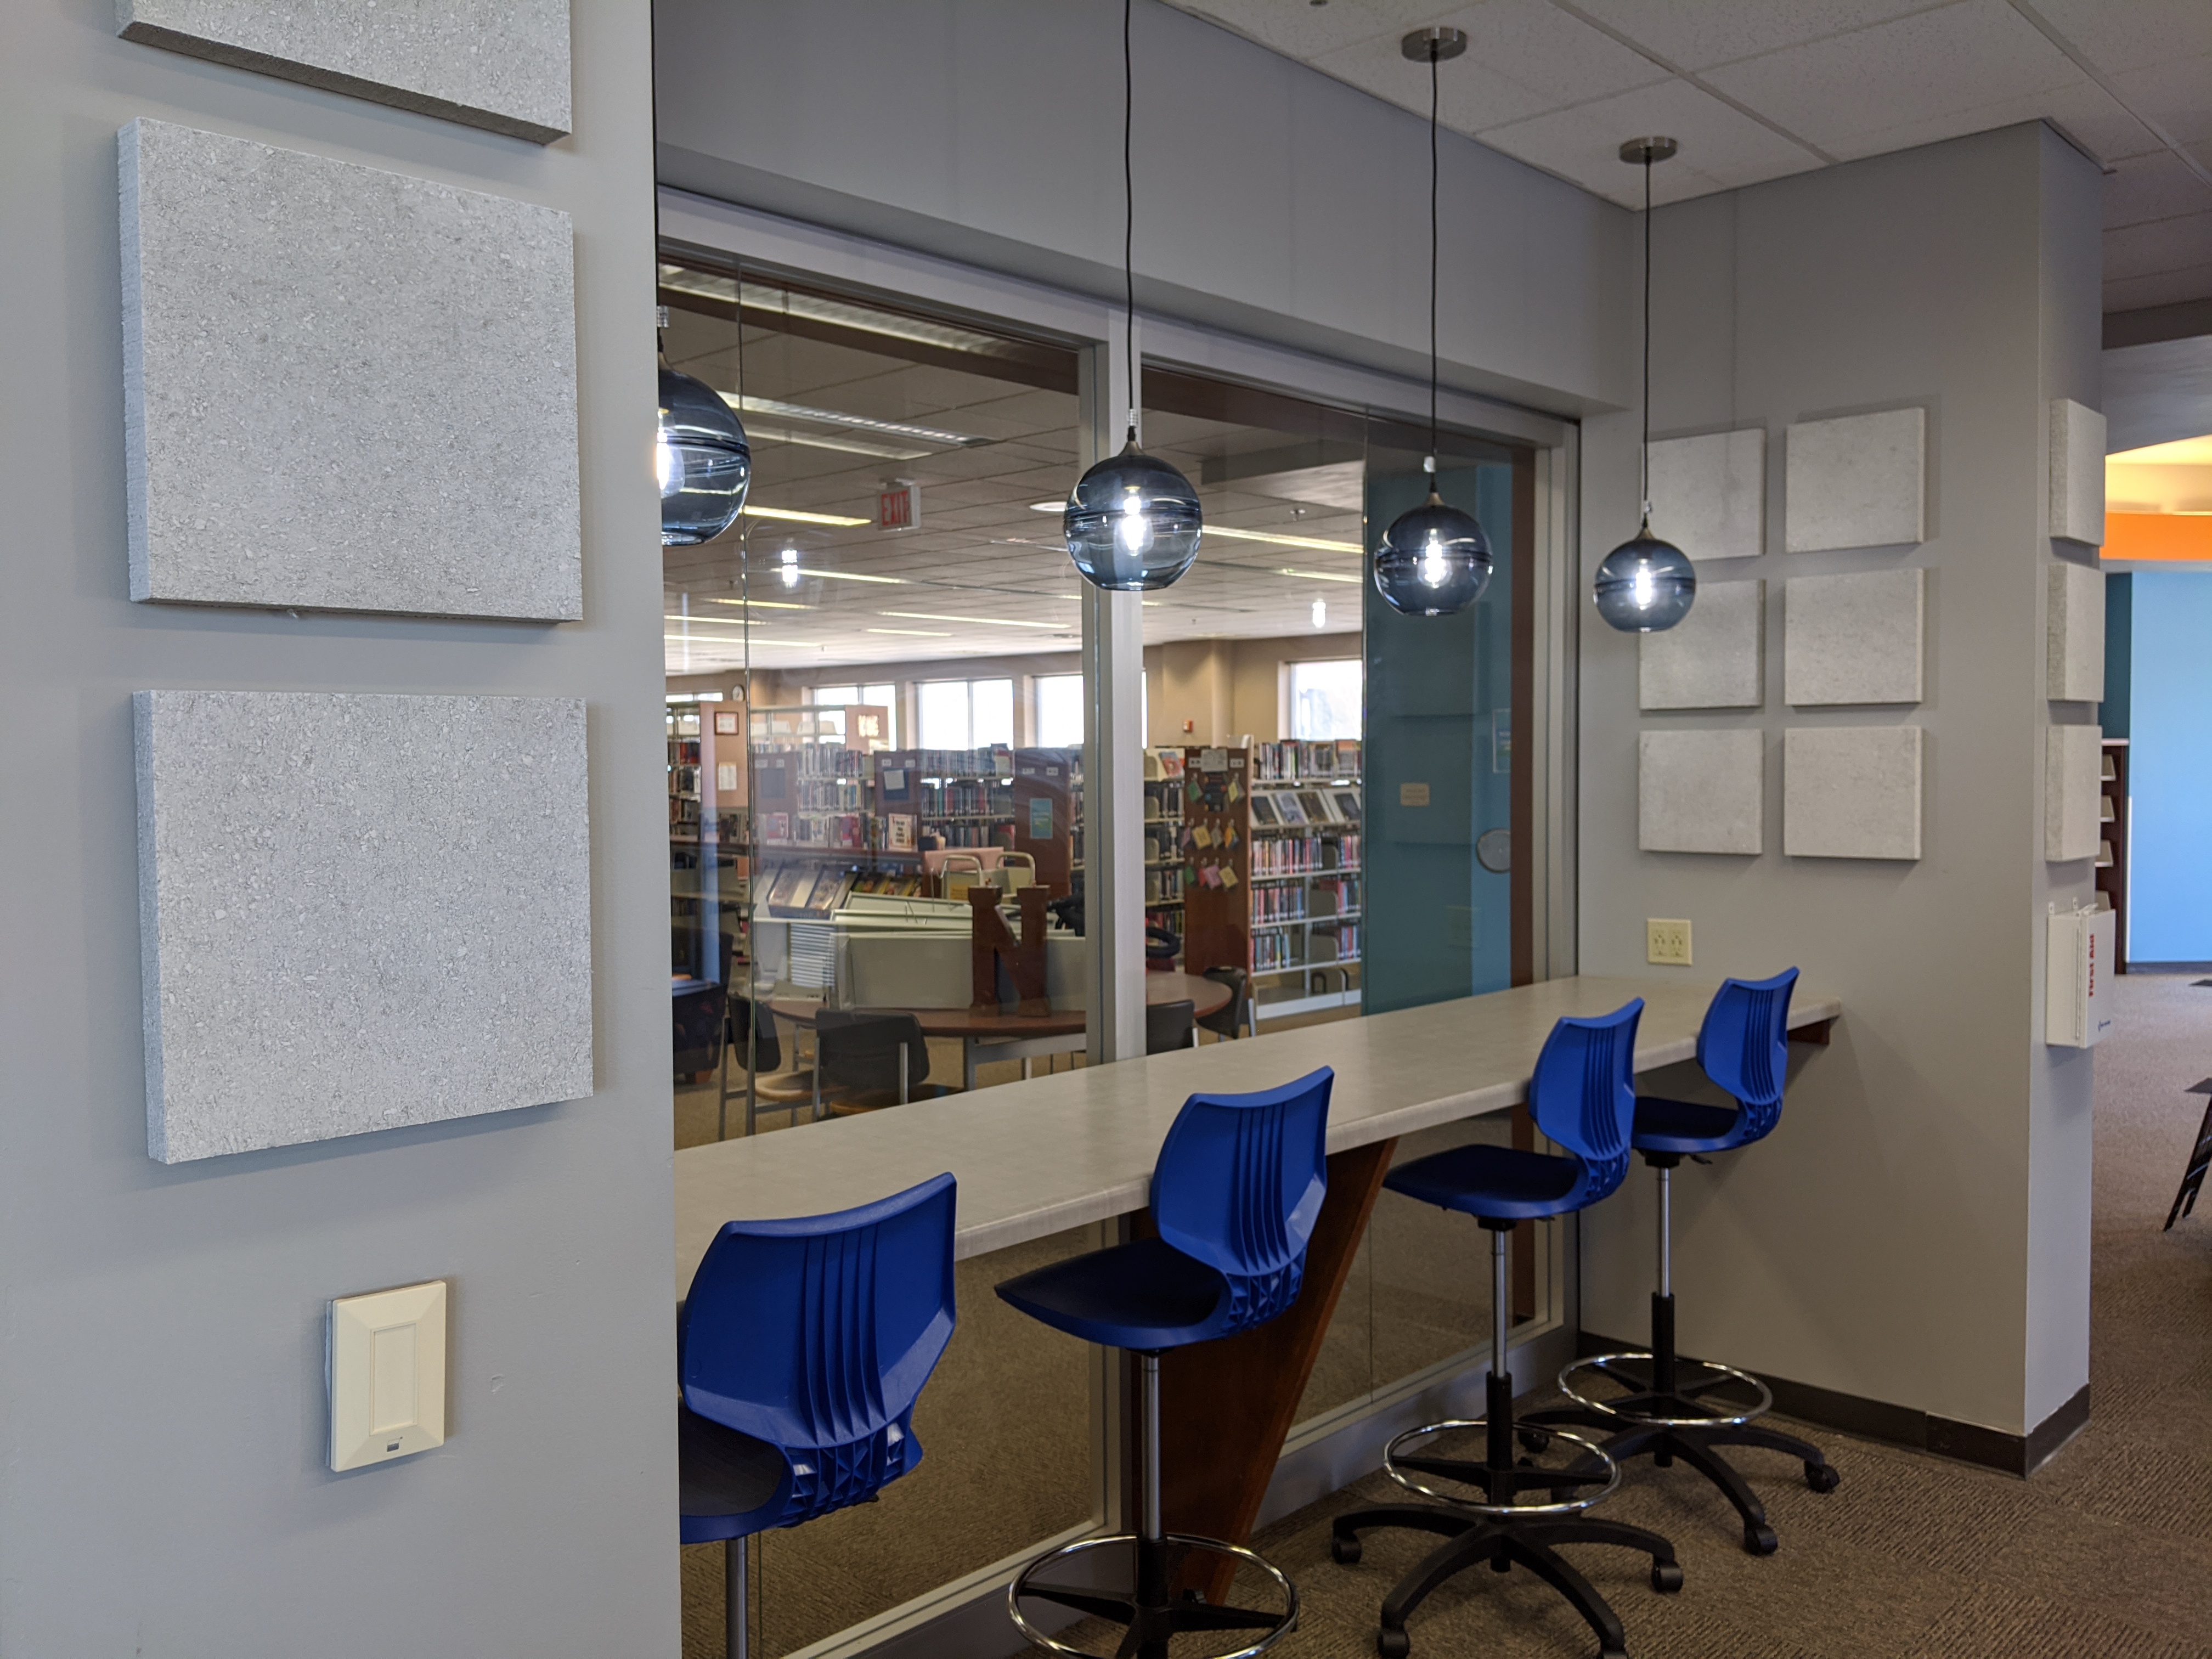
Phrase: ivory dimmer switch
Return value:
(386, 1363)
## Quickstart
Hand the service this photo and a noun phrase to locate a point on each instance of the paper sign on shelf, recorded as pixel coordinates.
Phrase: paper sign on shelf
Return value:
(2077, 1002)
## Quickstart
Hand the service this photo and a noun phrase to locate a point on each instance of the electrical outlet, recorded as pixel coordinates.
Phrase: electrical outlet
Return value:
(1667, 942)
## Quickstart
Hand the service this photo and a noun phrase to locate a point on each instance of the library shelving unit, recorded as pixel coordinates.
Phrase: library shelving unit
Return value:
(708, 871)
(2112, 845)
(1048, 814)
(1164, 855)
(817, 807)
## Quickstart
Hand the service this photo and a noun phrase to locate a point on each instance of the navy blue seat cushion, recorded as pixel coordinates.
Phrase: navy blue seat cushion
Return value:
(1683, 1125)
(1499, 1182)
(1145, 1296)
(725, 1480)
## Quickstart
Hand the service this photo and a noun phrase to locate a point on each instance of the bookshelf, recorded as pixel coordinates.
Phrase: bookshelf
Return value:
(708, 884)
(2112, 844)
(1164, 857)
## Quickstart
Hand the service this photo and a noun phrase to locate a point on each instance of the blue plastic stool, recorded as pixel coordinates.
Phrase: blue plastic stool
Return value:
(1236, 1193)
(801, 1349)
(1664, 1406)
(1583, 1098)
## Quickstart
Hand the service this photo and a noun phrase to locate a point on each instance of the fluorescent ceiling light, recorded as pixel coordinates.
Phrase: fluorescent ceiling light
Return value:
(760, 605)
(844, 313)
(852, 576)
(796, 517)
(928, 434)
(1318, 575)
(762, 432)
(715, 622)
(981, 622)
(1047, 506)
(922, 633)
(1319, 544)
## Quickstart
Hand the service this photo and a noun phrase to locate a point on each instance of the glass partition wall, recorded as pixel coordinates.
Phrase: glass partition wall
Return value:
(877, 703)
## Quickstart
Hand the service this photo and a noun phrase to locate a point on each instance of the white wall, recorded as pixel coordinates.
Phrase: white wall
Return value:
(161, 1414)
(1917, 1230)
(1271, 200)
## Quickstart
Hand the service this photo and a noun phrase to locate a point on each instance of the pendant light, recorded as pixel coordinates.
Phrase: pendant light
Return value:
(1434, 561)
(701, 457)
(1132, 522)
(1645, 585)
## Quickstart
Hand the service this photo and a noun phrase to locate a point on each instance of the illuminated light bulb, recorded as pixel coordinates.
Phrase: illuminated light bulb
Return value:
(1434, 561)
(702, 461)
(1321, 613)
(1132, 523)
(1644, 585)
(790, 558)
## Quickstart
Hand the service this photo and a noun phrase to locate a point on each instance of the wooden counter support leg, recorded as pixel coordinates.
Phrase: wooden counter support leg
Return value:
(1226, 1406)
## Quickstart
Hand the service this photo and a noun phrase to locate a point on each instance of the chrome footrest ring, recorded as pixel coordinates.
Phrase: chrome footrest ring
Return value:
(1690, 1373)
(1021, 1587)
(1590, 1447)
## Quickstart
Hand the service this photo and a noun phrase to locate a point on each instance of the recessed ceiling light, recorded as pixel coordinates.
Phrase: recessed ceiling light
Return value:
(1316, 576)
(794, 516)
(981, 621)
(1320, 544)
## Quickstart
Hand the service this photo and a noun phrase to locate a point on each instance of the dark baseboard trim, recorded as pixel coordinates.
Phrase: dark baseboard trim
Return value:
(1902, 1425)
(2134, 967)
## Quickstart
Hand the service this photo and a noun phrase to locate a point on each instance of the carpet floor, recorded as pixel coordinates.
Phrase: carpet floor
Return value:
(2106, 1553)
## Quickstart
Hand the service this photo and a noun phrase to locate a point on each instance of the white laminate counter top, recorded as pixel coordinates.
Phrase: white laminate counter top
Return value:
(1052, 1152)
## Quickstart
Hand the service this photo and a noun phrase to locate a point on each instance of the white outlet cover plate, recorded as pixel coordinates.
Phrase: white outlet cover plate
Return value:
(387, 1374)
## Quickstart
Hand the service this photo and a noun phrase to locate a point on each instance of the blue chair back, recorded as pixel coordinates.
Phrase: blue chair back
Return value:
(1239, 1186)
(1583, 1095)
(1744, 1048)
(816, 1335)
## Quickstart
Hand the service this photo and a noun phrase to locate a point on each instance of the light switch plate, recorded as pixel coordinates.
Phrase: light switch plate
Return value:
(387, 1367)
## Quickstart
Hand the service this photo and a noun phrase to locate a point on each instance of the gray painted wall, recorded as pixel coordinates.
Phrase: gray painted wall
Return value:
(1917, 1230)
(162, 1415)
(1271, 200)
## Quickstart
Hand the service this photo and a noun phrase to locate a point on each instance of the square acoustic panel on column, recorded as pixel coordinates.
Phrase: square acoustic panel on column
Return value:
(2074, 638)
(1854, 639)
(497, 64)
(1701, 790)
(1708, 493)
(358, 912)
(1859, 481)
(2077, 472)
(344, 389)
(1714, 658)
(2072, 792)
(1851, 791)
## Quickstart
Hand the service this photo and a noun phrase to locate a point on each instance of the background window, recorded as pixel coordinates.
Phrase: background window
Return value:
(1059, 711)
(874, 696)
(1325, 698)
(965, 713)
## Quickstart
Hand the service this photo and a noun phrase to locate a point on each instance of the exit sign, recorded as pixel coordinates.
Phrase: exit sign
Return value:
(899, 508)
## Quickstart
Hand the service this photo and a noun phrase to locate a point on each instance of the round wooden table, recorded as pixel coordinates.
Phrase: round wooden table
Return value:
(987, 1035)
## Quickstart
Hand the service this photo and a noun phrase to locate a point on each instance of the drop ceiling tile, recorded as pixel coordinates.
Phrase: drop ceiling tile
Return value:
(1696, 34)
(1721, 148)
(1306, 31)
(1555, 55)
(1470, 96)
(2155, 249)
(1913, 69)
(2176, 93)
(2128, 34)
(2084, 111)
(2170, 288)
(2157, 187)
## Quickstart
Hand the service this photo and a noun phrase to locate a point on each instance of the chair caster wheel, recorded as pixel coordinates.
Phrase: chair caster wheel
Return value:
(1393, 1643)
(1345, 1552)
(1820, 1478)
(1760, 1540)
(1666, 1577)
(1535, 1440)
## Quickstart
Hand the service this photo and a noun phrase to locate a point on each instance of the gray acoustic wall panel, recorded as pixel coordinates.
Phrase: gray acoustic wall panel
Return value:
(2075, 639)
(1700, 791)
(2072, 790)
(1857, 638)
(1859, 481)
(1708, 493)
(358, 912)
(1714, 658)
(344, 389)
(497, 64)
(2077, 472)
(1851, 791)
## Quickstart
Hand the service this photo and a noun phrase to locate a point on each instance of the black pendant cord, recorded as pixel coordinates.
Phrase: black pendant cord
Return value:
(1645, 465)
(1432, 267)
(1129, 213)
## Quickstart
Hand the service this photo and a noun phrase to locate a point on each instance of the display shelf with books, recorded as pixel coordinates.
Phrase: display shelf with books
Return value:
(1164, 867)
(1305, 880)
(708, 828)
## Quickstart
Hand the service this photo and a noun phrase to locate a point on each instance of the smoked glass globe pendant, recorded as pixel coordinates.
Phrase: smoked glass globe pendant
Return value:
(703, 460)
(1433, 560)
(1645, 585)
(1132, 522)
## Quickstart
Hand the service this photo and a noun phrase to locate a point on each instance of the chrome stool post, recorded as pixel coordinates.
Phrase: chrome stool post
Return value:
(1150, 1609)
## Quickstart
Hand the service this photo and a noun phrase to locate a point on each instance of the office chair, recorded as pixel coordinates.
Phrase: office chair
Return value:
(1236, 1192)
(1235, 1016)
(1583, 1098)
(865, 1060)
(800, 1352)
